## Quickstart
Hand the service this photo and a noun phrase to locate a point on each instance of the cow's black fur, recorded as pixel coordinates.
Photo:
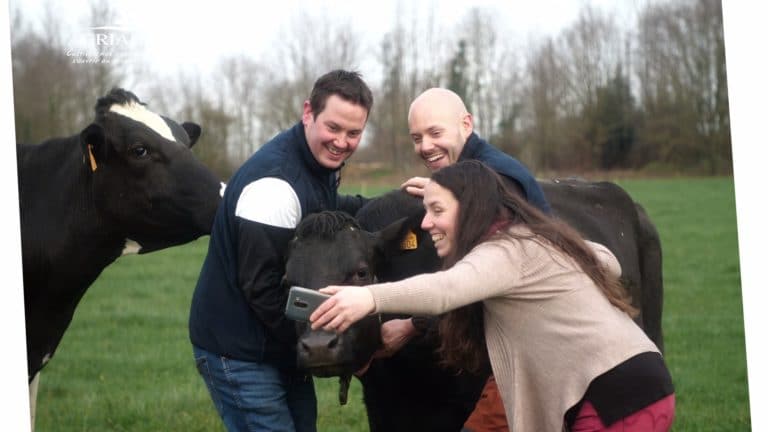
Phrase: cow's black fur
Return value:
(75, 221)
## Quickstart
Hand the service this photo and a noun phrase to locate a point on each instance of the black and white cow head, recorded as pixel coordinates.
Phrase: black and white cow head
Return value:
(144, 176)
(330, 248)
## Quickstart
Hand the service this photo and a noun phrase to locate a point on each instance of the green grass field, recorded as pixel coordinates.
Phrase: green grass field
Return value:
(126, 364)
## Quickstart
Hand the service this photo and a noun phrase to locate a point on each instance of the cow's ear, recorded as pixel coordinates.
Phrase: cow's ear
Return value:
(193, 131)
(93, 145)
(398, 236)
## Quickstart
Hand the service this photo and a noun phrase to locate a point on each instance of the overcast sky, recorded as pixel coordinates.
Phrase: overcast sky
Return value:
(191, 36)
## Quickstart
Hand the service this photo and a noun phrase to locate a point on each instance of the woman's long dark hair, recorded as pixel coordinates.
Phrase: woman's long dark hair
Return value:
(485, 201)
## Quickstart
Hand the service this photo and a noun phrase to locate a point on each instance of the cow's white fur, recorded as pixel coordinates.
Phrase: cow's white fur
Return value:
(141, 114)
(131, 247)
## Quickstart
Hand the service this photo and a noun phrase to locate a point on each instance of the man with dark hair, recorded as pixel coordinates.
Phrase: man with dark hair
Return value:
(244, 346)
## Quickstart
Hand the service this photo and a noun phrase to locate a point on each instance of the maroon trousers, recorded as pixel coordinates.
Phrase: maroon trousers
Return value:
(488, 416)
(656, 417)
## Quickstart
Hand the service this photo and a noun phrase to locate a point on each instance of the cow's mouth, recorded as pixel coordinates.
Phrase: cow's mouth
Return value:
(331, 370)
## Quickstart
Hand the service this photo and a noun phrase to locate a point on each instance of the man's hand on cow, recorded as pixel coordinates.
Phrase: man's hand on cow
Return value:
(415, 186)
(394, 335)
(348, 305)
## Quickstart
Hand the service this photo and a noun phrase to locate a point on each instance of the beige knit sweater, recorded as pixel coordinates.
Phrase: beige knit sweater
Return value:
(548, 327)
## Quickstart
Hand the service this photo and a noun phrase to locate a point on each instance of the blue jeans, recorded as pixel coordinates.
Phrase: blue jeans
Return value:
(256, 396)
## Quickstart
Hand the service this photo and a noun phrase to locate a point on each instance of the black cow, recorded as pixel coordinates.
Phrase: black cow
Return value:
(605, 213)
(127, 183)
(408, 391)
(328, 234)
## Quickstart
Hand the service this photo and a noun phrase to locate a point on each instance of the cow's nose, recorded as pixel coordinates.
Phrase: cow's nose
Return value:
(310, 347)
(319, 345)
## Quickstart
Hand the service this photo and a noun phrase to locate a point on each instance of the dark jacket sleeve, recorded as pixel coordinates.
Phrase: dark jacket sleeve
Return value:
(351, 203)
(261, 266)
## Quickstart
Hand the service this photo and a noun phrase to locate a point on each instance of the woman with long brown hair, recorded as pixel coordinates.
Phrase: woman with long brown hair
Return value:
(526, 292)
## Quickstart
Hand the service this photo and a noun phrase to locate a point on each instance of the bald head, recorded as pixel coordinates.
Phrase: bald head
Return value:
(438, 98)
(439, 125)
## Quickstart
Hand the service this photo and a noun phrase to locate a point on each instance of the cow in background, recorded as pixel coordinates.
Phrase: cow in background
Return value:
(127, 183)
(605, 213)
(409, 391)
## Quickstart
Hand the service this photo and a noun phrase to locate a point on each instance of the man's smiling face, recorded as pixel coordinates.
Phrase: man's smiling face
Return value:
(439, 126)
(335, 133)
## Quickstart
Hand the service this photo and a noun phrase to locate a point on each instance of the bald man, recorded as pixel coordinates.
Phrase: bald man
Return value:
(442, 131)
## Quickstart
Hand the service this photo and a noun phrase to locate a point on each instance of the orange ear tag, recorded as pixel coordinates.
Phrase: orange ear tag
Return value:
(410, 242)
(90, 156)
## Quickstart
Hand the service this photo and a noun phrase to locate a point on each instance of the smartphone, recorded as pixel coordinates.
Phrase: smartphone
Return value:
(302, 302)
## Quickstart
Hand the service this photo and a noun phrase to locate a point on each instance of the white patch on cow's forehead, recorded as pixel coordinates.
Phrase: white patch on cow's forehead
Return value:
(141, 114)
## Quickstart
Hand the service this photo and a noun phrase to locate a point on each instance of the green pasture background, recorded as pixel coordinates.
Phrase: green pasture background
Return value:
(125, 364)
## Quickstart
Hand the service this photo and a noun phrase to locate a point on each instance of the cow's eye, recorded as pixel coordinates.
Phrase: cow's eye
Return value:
(361, 274)
(140, 152)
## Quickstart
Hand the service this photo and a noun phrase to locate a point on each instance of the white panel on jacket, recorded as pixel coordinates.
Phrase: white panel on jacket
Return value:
(270, 201)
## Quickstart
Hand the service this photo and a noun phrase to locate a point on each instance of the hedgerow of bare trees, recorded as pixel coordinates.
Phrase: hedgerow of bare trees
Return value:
(599, 95)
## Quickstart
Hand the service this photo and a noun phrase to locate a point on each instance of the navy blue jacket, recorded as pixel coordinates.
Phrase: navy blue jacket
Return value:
(477, 148)
(238, 304)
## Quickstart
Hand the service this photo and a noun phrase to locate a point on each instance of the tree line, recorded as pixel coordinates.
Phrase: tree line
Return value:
(598, 95)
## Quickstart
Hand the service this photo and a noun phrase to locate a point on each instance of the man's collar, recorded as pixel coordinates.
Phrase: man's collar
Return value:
(470, 147)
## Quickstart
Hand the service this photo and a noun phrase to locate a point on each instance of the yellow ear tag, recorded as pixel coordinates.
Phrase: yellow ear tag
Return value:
(410, 242)
(90, 156)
